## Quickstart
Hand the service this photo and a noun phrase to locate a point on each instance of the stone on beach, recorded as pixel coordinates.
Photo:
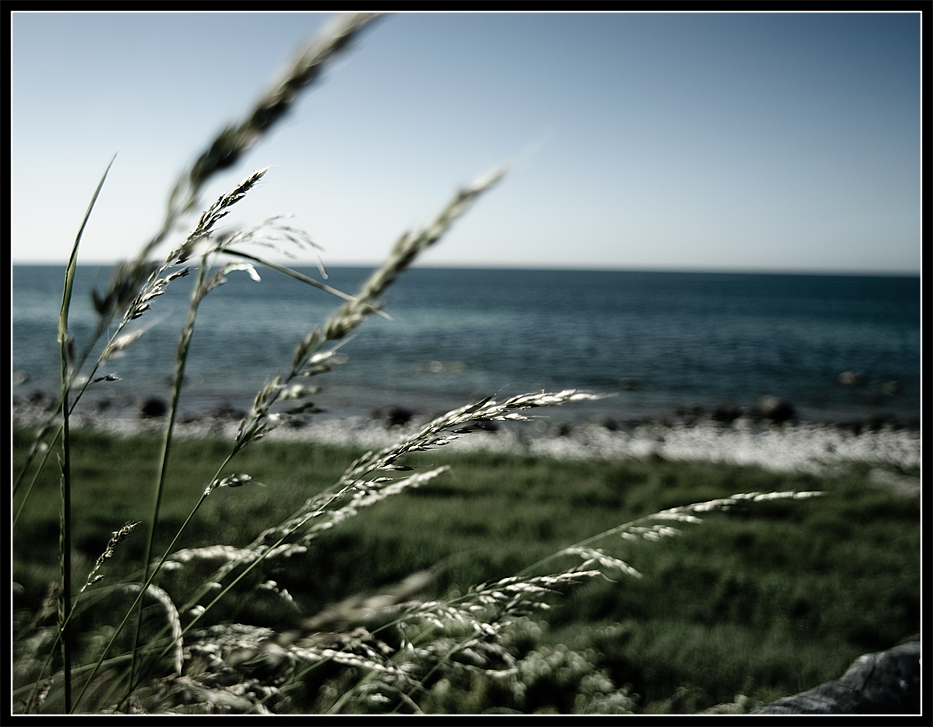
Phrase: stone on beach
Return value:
(393, 416)
(726, 413)
(883, 683)
(774, 409)
(153, 407)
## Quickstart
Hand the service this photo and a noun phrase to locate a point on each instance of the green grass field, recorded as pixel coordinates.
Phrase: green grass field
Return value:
(764, 601)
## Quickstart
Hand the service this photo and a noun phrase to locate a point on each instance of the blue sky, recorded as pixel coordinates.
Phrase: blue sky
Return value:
(684, 141)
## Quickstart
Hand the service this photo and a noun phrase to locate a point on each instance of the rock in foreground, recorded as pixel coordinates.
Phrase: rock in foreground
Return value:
(883, 683)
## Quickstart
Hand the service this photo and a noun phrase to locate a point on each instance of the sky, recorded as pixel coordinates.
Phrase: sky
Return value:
(777, 142)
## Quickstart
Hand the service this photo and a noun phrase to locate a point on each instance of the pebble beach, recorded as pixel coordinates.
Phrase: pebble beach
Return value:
(889, 452)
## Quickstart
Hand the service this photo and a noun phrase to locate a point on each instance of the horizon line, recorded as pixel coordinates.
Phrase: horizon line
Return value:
(568, 267)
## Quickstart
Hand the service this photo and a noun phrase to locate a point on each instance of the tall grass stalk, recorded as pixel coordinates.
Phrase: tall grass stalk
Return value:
(199, 290)
(644, 529)
(66, 357)
(180, 360)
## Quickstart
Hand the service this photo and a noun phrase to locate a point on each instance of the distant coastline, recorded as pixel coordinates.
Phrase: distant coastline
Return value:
(891, 450)
(556, 267)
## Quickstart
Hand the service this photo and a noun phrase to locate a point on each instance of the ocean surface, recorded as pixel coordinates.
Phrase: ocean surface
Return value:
(651, 341)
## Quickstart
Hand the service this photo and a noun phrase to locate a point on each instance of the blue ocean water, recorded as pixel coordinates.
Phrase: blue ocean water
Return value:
(654, 341)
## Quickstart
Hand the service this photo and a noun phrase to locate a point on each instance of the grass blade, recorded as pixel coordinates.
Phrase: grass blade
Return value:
(73, 261)
(66, 356)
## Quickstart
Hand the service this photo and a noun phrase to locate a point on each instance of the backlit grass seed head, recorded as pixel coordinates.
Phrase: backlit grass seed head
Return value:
(221, 206)
(171, 616)
(678, 516)
(120, 343)
(411, 244)
(125, 283)
(228, 481)
(489, 607)
(157, 287)
(210, 553)
(118, 537)
(726, 503)
(153, 288)
(352, 313)
(347, 319)
(652, 532)
(139, 310)
(199, 242)
(596, 555)
(220, 277)
(273, 234)
(441, 431)
(261, 419)
(323, 362)
(298, 391)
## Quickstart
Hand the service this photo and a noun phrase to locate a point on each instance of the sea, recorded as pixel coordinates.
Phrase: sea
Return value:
(653, 344)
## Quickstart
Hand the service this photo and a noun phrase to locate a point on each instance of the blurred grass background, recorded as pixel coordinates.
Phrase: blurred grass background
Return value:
(764, 601)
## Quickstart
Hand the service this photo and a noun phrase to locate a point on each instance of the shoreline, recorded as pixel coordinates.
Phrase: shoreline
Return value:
(890, 451)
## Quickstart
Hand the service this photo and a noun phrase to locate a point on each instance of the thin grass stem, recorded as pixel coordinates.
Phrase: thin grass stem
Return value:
(181, 359)
(66, 356)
